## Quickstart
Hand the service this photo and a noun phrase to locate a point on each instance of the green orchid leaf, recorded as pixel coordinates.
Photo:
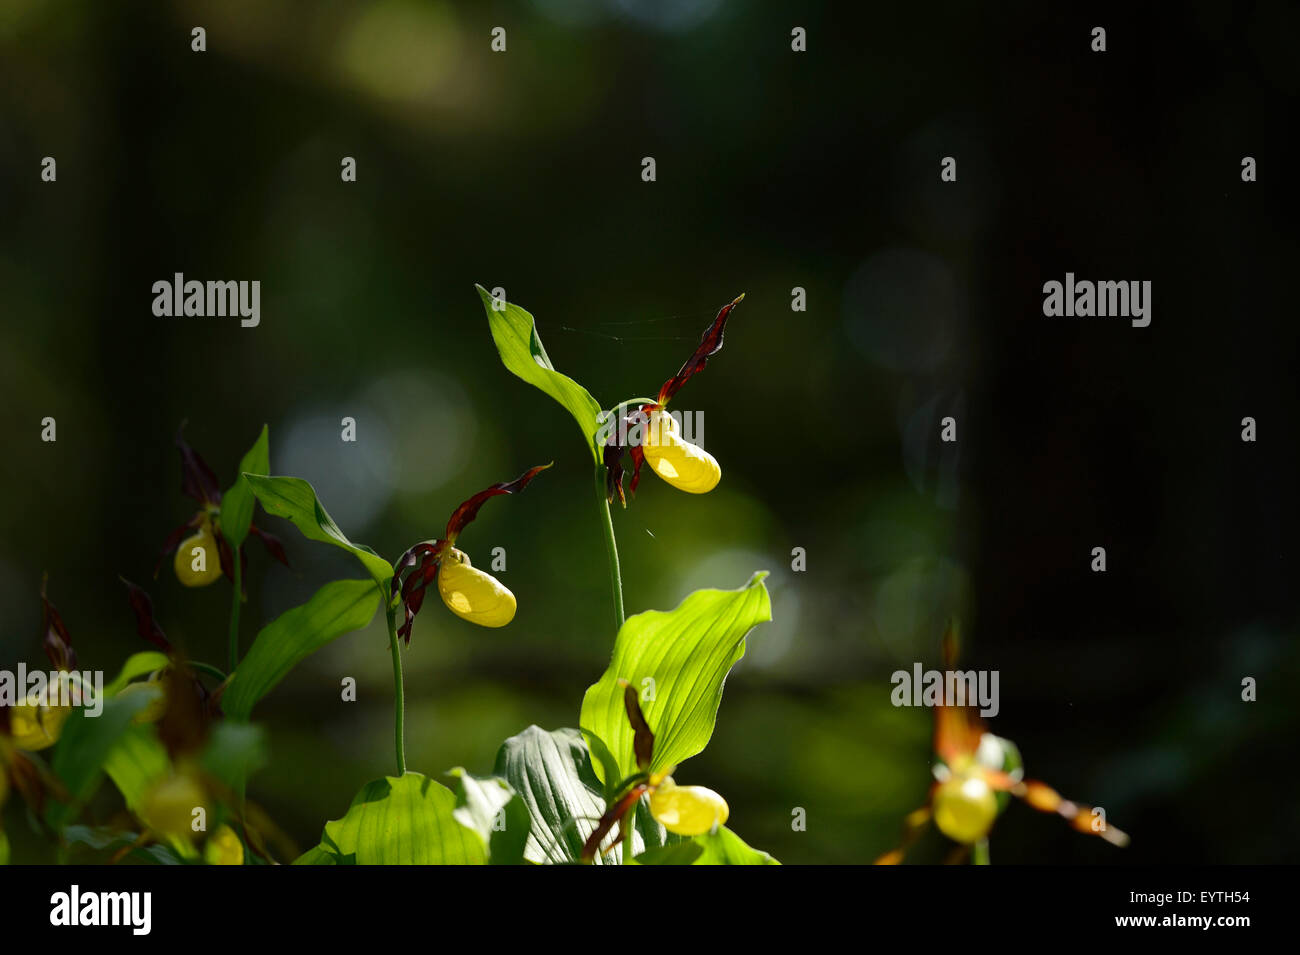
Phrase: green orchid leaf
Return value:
(681, 853)
(515, 334)
(337, 608)
(137, 664)
(317, 855)
(83, 748)
(295, 500)
(237, 503)
(110, 841)
(609, 770)
(136, 762)
(678, 661)
(724, 847)
(400, 820)
(554, 779)
(491, 808)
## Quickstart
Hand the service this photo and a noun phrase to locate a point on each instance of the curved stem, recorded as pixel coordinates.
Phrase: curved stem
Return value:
(629, 830)
(208, 668)
(234, 611)
(980, 853)
(611, 546)
(399, 704)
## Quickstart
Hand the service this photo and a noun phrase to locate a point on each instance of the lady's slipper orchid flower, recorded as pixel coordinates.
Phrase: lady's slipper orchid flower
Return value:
(685, 466)
(24, 774)
(182, 707)
(36, 723)
(687, 810)
(202, 553)
(651, 435)
(223, 848)
(29, 725)
(972, 770)
(684, 810)
(468, 592)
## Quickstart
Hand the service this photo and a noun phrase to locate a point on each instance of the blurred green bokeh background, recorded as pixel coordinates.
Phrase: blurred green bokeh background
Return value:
(775, 170)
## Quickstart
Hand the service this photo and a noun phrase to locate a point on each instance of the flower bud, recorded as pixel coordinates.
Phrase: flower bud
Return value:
(964, 808)
(34, 726)
(687, 810)
(682, 464)
(186, 558)
(473, 595)
(223, 848)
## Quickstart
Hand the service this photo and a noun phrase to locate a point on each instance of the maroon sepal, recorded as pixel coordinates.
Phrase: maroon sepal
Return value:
(145, 624)
(710, 345)
(191, 709)
(638, 459)
(55, 637)
(643, 741)
(272, 544)
(613, 453)
(613, 457)
(424, 557)
(197, 479)
(468, 510)
(614, 814)
(228, 559)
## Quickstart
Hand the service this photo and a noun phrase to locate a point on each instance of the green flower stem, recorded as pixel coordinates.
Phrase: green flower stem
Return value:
(399, 704)
(629, 830)
(209, 669)
(611, 546)
(234, 611)
(980, 853)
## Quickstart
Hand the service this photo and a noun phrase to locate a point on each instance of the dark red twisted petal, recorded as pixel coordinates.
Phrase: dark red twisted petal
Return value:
(145, 624)
(273, 545)
(55, 637)
(710, 345)
(643, 741)
(612, 815)
(468, 510)
(613, 458)
(197, 479)
(638, 459)
(227, 557)
(424, 557)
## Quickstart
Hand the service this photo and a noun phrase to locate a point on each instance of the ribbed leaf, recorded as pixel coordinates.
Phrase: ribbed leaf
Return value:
(337, 608)
(678, 661)
(489, 806)
(724, 847)
(553, 776)
(400, 820)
